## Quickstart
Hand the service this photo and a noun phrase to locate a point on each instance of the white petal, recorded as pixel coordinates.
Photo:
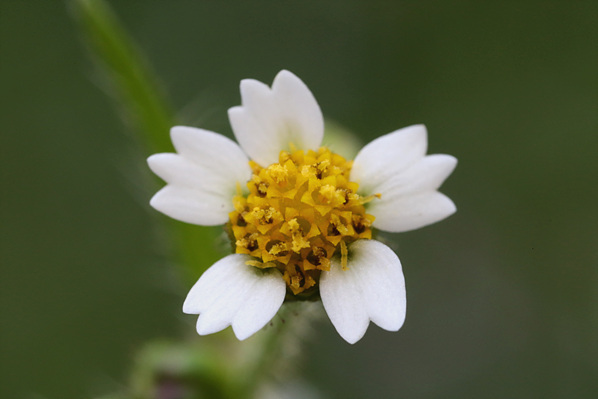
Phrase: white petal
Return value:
(411, 212)
(343, 302)
(231, 292)
(180, 171)
(202, 178)
(192, 206)
(372, 288)
(260, 307)
(207, 148)
(397, 211)
(271, 119)
(300, 110)
(388, 156)
(394, 166)
(427, 174)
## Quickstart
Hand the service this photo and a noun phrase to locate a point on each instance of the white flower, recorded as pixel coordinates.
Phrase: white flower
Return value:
(300, 216)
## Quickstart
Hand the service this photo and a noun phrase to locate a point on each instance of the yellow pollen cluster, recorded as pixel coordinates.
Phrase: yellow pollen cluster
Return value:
(298, 214)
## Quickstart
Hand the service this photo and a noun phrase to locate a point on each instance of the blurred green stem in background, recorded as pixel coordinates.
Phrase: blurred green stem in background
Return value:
(144, 105)
(129, 74)
(216, 368)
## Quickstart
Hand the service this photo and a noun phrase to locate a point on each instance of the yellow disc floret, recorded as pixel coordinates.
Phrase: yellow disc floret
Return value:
(299, 212)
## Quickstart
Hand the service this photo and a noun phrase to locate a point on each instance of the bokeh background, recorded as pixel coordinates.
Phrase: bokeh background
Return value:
(502, 296)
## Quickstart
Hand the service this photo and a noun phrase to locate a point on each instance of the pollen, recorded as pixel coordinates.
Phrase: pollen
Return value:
(299, 213)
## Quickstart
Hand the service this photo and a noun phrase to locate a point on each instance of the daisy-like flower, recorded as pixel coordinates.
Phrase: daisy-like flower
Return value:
(299, 216)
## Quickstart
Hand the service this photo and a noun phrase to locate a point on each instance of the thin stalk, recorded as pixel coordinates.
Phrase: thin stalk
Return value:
(140, 98)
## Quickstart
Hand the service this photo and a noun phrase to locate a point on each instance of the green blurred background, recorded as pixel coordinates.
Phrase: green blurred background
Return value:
(502, 296)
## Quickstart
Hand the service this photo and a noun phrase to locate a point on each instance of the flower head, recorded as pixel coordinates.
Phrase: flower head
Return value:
(300, 217)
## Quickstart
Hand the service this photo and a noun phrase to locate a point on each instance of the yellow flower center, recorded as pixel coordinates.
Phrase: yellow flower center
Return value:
(299, 212)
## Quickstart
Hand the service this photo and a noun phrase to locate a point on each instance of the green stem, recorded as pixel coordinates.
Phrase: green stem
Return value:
(289, 330)
(140, 98)
(127, 73)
